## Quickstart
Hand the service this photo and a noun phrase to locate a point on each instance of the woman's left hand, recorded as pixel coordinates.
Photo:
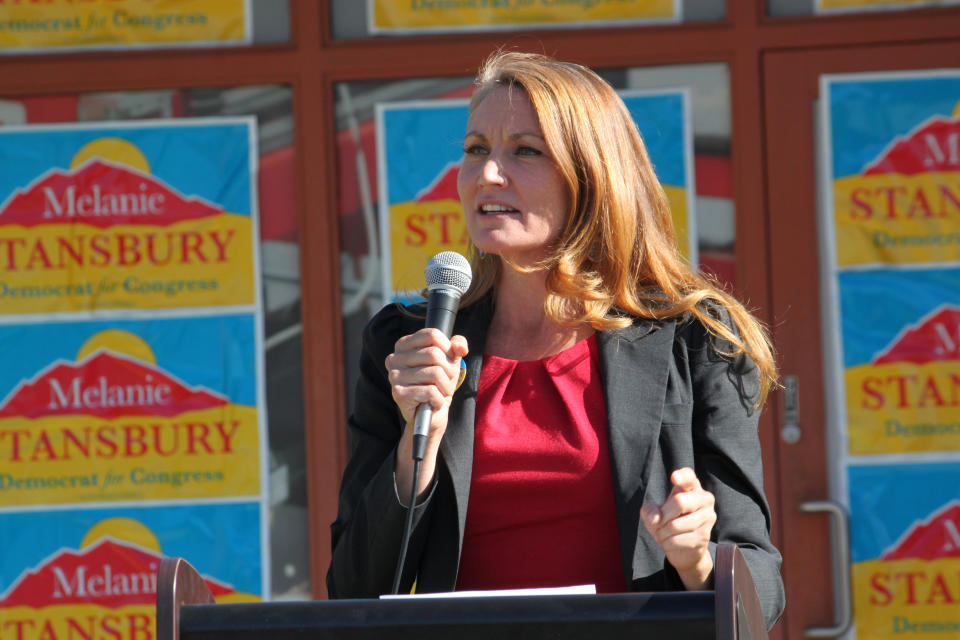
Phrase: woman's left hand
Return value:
(682, 526)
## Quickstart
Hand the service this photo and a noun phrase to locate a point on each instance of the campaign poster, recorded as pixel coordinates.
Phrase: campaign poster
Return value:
(905, 549)
(419, 150)
(891, 229)
(92, 573)
(901, 361)
(121, 410)
(851, 6)
(665, 123)
(128, 216)
(55, 26)
(403, 17)
(893, 164)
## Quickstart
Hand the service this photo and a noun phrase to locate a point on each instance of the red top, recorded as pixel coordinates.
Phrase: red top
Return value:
(541, 510)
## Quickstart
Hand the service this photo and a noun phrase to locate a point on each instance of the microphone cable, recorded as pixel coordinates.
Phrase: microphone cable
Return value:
(407, 526)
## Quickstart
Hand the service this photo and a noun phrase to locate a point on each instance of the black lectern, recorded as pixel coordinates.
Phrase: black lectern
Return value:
(185, 611)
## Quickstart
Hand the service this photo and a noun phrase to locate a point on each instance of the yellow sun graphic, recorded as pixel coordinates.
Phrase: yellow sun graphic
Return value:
(118, 341)
(116, 150)
(123, 529)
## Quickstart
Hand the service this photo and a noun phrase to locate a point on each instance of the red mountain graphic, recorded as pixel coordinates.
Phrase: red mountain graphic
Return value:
(936, 338)
(938, 537)
(443, 187)
(927, 148)
(109, 573)
(105, 385)
(101, 194)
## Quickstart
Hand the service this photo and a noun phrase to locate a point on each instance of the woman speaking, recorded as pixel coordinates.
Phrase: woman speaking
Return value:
(605, 430)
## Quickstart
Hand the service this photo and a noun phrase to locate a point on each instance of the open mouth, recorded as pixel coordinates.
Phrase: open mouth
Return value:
(497, 208)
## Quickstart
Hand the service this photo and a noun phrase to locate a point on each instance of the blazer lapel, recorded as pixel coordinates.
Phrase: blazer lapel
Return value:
(456, 448)
(635, 365)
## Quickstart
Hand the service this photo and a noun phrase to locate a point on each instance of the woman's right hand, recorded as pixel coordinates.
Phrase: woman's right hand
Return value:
(424, 368)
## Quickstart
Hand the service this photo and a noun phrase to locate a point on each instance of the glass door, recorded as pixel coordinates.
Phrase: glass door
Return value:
(864, 206)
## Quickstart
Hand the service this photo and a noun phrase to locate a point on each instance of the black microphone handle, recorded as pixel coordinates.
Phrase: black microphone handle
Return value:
(441, 313)
(442, 310)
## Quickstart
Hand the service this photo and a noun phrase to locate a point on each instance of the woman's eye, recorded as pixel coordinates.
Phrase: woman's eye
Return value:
(474, 150)
(528, 151)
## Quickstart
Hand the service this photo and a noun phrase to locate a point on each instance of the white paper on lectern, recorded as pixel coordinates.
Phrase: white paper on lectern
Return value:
(545, 591)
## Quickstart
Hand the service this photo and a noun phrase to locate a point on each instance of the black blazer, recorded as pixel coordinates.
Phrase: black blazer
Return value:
(672, 401)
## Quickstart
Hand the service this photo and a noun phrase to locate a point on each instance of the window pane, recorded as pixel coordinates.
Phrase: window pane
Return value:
(832, 7)
(112, 26)
(279, 282)
(709, 88)
(271, 21)
(356, 19)
(360, 251)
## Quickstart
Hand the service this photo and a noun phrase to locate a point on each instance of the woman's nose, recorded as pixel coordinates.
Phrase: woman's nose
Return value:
(492, 173)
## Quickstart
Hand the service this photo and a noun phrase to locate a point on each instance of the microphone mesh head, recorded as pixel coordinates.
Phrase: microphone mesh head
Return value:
(448, 270)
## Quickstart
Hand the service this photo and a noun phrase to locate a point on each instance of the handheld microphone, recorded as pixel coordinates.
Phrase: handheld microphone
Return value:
(448, 278)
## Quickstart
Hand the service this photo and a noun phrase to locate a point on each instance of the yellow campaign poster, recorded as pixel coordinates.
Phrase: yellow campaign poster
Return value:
(128, 410)
(905, 539)
(404, 17)
(58, 25)
(151, 215)
(902, 363)
(849, 6)
(419, 148)
(76, 574)
(895, 192)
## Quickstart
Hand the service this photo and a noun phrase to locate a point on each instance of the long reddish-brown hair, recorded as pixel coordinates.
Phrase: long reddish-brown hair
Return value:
(617, 256)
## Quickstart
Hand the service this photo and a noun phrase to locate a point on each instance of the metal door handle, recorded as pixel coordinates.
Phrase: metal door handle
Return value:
(841, 570)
